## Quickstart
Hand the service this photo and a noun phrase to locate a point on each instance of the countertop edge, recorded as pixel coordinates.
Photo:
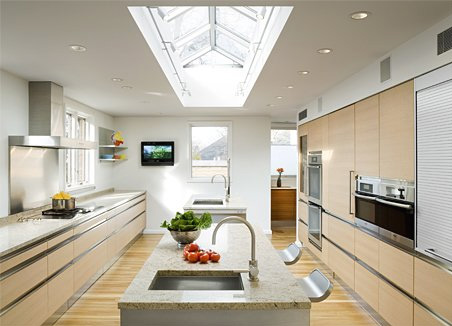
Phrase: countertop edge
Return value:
(214, 305)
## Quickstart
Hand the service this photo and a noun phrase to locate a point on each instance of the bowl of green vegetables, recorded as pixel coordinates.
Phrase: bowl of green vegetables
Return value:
(186, 227)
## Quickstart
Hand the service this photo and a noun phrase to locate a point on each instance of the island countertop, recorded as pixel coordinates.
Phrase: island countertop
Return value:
(235, 205)
(277, 288)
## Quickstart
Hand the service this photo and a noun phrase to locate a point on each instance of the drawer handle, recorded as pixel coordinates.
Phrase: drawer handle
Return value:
(363, 197)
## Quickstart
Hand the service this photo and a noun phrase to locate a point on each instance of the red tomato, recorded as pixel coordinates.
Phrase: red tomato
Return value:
(204, 258)
(193, 247)
(209, 252)
(192, 257)
(186, 254)
(200, 253)
(187, 246)
(215, 257)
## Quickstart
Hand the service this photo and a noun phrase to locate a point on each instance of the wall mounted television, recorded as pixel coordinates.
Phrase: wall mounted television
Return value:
(157, 153)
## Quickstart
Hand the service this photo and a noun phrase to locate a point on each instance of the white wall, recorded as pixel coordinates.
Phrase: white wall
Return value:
(13, 121)
(169, 187)
(411, 59)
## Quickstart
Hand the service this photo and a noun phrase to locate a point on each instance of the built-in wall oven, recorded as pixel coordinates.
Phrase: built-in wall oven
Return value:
(386, 207)
(314, 171)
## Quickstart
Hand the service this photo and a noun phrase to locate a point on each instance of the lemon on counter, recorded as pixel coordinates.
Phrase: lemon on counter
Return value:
(61, 195)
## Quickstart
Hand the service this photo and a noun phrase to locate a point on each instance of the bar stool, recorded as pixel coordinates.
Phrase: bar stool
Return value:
(316, 286)
(291, 254)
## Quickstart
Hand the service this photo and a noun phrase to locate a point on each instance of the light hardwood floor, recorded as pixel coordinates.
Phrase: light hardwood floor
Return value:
(98, 306)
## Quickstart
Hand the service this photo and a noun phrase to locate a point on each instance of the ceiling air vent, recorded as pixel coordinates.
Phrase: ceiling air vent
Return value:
(444, 41)
(319, 104)
(302, 114)
(385, 69)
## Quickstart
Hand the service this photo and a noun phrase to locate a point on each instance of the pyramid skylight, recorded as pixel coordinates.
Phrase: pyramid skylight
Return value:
(213, 55)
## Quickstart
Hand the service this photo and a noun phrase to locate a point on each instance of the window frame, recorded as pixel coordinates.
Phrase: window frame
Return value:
(89, 155)
(191, 124)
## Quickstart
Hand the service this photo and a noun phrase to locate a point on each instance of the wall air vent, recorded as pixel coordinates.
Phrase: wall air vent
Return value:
(319, 104)
(385, 69)
(302, 114)
(444, 41)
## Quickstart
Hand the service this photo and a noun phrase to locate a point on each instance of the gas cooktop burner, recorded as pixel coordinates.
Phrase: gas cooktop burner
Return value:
(64, 214)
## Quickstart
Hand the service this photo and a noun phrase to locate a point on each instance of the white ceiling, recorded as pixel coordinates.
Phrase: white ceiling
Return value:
(35, 36)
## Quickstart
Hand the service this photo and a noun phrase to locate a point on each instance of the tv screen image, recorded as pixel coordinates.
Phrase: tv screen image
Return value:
(157, 153)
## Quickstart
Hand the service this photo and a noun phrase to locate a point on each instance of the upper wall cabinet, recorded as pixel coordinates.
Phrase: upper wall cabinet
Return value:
(367, 137)
(341, 160)
(397, 132)
(317, 134)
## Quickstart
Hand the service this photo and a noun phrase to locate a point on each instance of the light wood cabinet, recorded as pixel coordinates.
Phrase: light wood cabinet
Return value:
(118, 221)
(283, 204)
(422, 317)
(341, 161)
(367, 133)
(342, 265)
(22, 281)
(60, 257)
(366, 248)
(302, 148)
(89, 224)
(317, 134)
(60, 238)
(303, 211)
(342, 233)
(31, 311)
(89, 239)
(366, 285)
(397, 266)
(393, 306)
(20, 258)
(397, 132)
(60, 289)
(303, 233)
(433, 286)
(88, 265)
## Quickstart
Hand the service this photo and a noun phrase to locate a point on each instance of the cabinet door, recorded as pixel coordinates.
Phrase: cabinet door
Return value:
(397, 132)
(366, 248)
(422, 317)
(60, 289)
(367, 141)
(302, 160)
(366, 285)
(303, 211)
(342, 265)
(393, 306)
(343, 234)
(340, 157)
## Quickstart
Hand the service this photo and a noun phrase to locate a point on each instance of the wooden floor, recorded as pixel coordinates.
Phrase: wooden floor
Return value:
(98, 306)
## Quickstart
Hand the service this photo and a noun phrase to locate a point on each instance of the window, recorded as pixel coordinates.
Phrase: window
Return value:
(79, 165)
(284, 151)
(210, 147)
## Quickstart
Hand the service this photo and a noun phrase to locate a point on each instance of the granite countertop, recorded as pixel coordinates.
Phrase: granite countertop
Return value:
(234, 204)
(277, 288)
(15, 235)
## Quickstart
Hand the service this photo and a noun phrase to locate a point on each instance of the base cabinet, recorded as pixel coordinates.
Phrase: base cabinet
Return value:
(342, 265)
(422, 317)
(366, 285)
(61, 288)
(393, 306)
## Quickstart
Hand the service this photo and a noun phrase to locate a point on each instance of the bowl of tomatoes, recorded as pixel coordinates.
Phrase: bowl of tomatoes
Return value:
(194, 254)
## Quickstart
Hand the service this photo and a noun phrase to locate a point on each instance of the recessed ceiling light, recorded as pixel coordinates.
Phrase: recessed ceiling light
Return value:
(270, 105)
(303, 72)
(126, 87)
(279, 97)
(117, 79)
(290, 87)
(359, 15)
(324, 51)
(77, 48)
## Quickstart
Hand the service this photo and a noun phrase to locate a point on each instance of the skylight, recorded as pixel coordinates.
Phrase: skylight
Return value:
(198, 46)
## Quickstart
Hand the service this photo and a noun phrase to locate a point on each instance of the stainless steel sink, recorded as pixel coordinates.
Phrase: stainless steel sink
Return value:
(208, 202)
(220, 282)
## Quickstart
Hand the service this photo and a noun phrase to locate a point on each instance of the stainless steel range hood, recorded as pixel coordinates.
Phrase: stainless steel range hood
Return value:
(46, 120)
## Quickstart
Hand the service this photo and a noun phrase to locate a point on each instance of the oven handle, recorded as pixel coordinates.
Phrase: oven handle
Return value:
(314, 166)
(433, 252)
(405, 206)
(364, 197)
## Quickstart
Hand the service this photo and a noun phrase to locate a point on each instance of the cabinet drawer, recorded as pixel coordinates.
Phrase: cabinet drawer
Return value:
(342, 265)
(393, 306)
(85, 226)
(366, 285)
(60, 238)
(20, 258)
(89, 239)
(31, 311)
(60, 257)
(121, 219)
(20, 282)
(423, 317)
(60, 289)
(433, 286)
(123, 207)
(303, 211)
(303, 233)
(88, 265)
(341, 233)
(366, 248)
(397, 266)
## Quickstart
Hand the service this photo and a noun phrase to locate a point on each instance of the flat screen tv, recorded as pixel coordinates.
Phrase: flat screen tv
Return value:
(157, 153)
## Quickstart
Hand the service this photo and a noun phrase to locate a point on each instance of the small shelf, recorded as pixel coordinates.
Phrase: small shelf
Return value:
(108, 149)
(112, 159)
(113, 146)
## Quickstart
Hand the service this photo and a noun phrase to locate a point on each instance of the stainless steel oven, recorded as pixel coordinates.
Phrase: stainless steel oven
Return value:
(315, 177)
(386, 207)
(315, 225)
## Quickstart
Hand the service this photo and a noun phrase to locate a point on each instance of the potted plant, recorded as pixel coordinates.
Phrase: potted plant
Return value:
(278, 182)
(186, 228)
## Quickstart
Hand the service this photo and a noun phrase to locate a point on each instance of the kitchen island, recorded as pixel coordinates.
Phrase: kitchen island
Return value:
(210, 203)
(276, 299)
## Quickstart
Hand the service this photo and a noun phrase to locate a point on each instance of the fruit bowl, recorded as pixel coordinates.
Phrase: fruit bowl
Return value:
(184, 237)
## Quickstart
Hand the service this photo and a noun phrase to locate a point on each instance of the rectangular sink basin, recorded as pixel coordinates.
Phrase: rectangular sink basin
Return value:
(208, 202)
(229, 282)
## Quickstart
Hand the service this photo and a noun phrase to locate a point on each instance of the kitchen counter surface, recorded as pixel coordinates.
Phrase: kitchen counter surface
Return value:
(16, 235)
(284, 188)
(235, 205)
(277, 288)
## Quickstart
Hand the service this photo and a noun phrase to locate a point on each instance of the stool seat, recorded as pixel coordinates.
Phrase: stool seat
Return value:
(316, 286)
(291, 254)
